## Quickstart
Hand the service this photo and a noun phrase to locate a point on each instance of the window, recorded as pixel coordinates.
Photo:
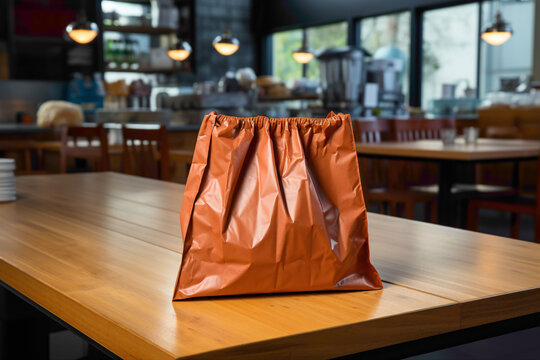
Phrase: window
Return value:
(513, 58)
(322, 37)
(317, 37)
(283, 44)
(450, 50)
(389, 36)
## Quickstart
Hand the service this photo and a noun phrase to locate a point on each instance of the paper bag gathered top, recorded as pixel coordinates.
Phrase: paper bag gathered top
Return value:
(274, 206)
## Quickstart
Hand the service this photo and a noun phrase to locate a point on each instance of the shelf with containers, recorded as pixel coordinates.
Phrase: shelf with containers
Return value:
(33, 32)
(137, 35)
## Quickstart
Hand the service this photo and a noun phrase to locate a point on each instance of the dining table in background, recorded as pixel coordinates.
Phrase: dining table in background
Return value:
(449, 156)
(100, 252)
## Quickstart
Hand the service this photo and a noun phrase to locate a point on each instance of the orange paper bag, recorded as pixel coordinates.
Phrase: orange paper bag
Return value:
(274, 206)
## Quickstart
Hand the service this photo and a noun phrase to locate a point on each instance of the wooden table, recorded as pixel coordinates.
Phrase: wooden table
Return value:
(101, 251)
(449, 156)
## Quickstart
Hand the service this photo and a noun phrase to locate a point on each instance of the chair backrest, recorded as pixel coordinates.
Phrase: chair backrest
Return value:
(501, 132)
(146, 151)
(87, 142)
(368, 131)
(372, 171)
(419, 129)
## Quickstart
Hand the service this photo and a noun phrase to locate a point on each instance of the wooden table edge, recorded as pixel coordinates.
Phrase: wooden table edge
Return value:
(350, 339)
(79, 316)
(495, 308)
(449, 154)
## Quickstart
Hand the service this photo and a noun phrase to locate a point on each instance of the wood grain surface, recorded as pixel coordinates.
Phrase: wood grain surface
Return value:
(101, 251)
(485, 149)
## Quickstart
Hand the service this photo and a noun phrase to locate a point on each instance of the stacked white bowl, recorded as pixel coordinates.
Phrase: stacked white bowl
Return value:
(7, 180)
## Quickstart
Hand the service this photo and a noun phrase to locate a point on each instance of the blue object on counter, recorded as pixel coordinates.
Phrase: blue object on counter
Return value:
(86, 91)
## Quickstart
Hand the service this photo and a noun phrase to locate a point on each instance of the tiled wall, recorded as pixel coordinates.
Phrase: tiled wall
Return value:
(211, 20)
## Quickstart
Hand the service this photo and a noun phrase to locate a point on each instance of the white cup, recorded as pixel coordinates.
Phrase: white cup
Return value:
(471, 135)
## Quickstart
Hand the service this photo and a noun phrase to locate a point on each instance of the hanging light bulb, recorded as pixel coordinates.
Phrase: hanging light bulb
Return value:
(181, 51)
(82, 31)
(225, 44)
(303, 55)
(499, 32)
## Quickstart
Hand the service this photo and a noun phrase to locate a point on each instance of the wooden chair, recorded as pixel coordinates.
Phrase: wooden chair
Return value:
(87, 142)
(10, 148)
(515, 204)
(420, 177)
(388, 193)
(419, 129)
(146, 151)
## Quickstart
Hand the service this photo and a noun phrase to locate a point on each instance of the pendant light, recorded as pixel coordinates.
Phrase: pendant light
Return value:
(303, 55)
(81, 30)
(226, 44)
(180, 51)
(499, 32)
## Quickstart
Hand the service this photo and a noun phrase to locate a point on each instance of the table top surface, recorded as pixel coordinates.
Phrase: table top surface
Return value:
(16, 128)
(484, 149)
(101, 251)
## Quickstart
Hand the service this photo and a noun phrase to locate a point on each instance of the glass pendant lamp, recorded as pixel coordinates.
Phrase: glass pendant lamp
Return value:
(226, 44)
(81, 30)
(303, 55)
(180, 51)
(499, 32)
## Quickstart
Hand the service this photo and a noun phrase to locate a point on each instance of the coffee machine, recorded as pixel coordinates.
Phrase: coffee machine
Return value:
(353, 83)
(386, 74)
(342, 78)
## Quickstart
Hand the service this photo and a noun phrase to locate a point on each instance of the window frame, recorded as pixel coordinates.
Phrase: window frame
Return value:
(416, 42)
(267, 64)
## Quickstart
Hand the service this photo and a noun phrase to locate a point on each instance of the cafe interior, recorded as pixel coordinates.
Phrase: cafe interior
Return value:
(250, 150)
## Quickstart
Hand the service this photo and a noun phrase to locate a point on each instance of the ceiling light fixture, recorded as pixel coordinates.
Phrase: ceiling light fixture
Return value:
(226, 44)
(180, 51)
(499, 32)
(303, 55)
(81, 30)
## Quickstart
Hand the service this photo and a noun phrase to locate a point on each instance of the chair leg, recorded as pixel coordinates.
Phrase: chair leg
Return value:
(27, 160)
(63, 163)
(514, 227)
(41, 159)
(537, 229)
(427, 211)
(393, 208)
(432, 214)
(472, 217)
(409, 210)
(382, 210)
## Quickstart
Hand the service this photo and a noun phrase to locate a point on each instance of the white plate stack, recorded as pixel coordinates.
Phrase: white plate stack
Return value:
(7, 180)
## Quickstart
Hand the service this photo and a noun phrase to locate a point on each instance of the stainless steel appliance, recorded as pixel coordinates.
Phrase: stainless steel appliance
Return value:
(342, 77)
(387, 74)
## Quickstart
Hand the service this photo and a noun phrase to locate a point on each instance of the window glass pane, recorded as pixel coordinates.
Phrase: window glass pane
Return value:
(283, 44)
(450, 50)
(514, 57)
(322, 37)
(389, 36)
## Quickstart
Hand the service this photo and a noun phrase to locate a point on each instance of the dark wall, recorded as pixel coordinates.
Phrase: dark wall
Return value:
(211, 19)
(278, 15)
